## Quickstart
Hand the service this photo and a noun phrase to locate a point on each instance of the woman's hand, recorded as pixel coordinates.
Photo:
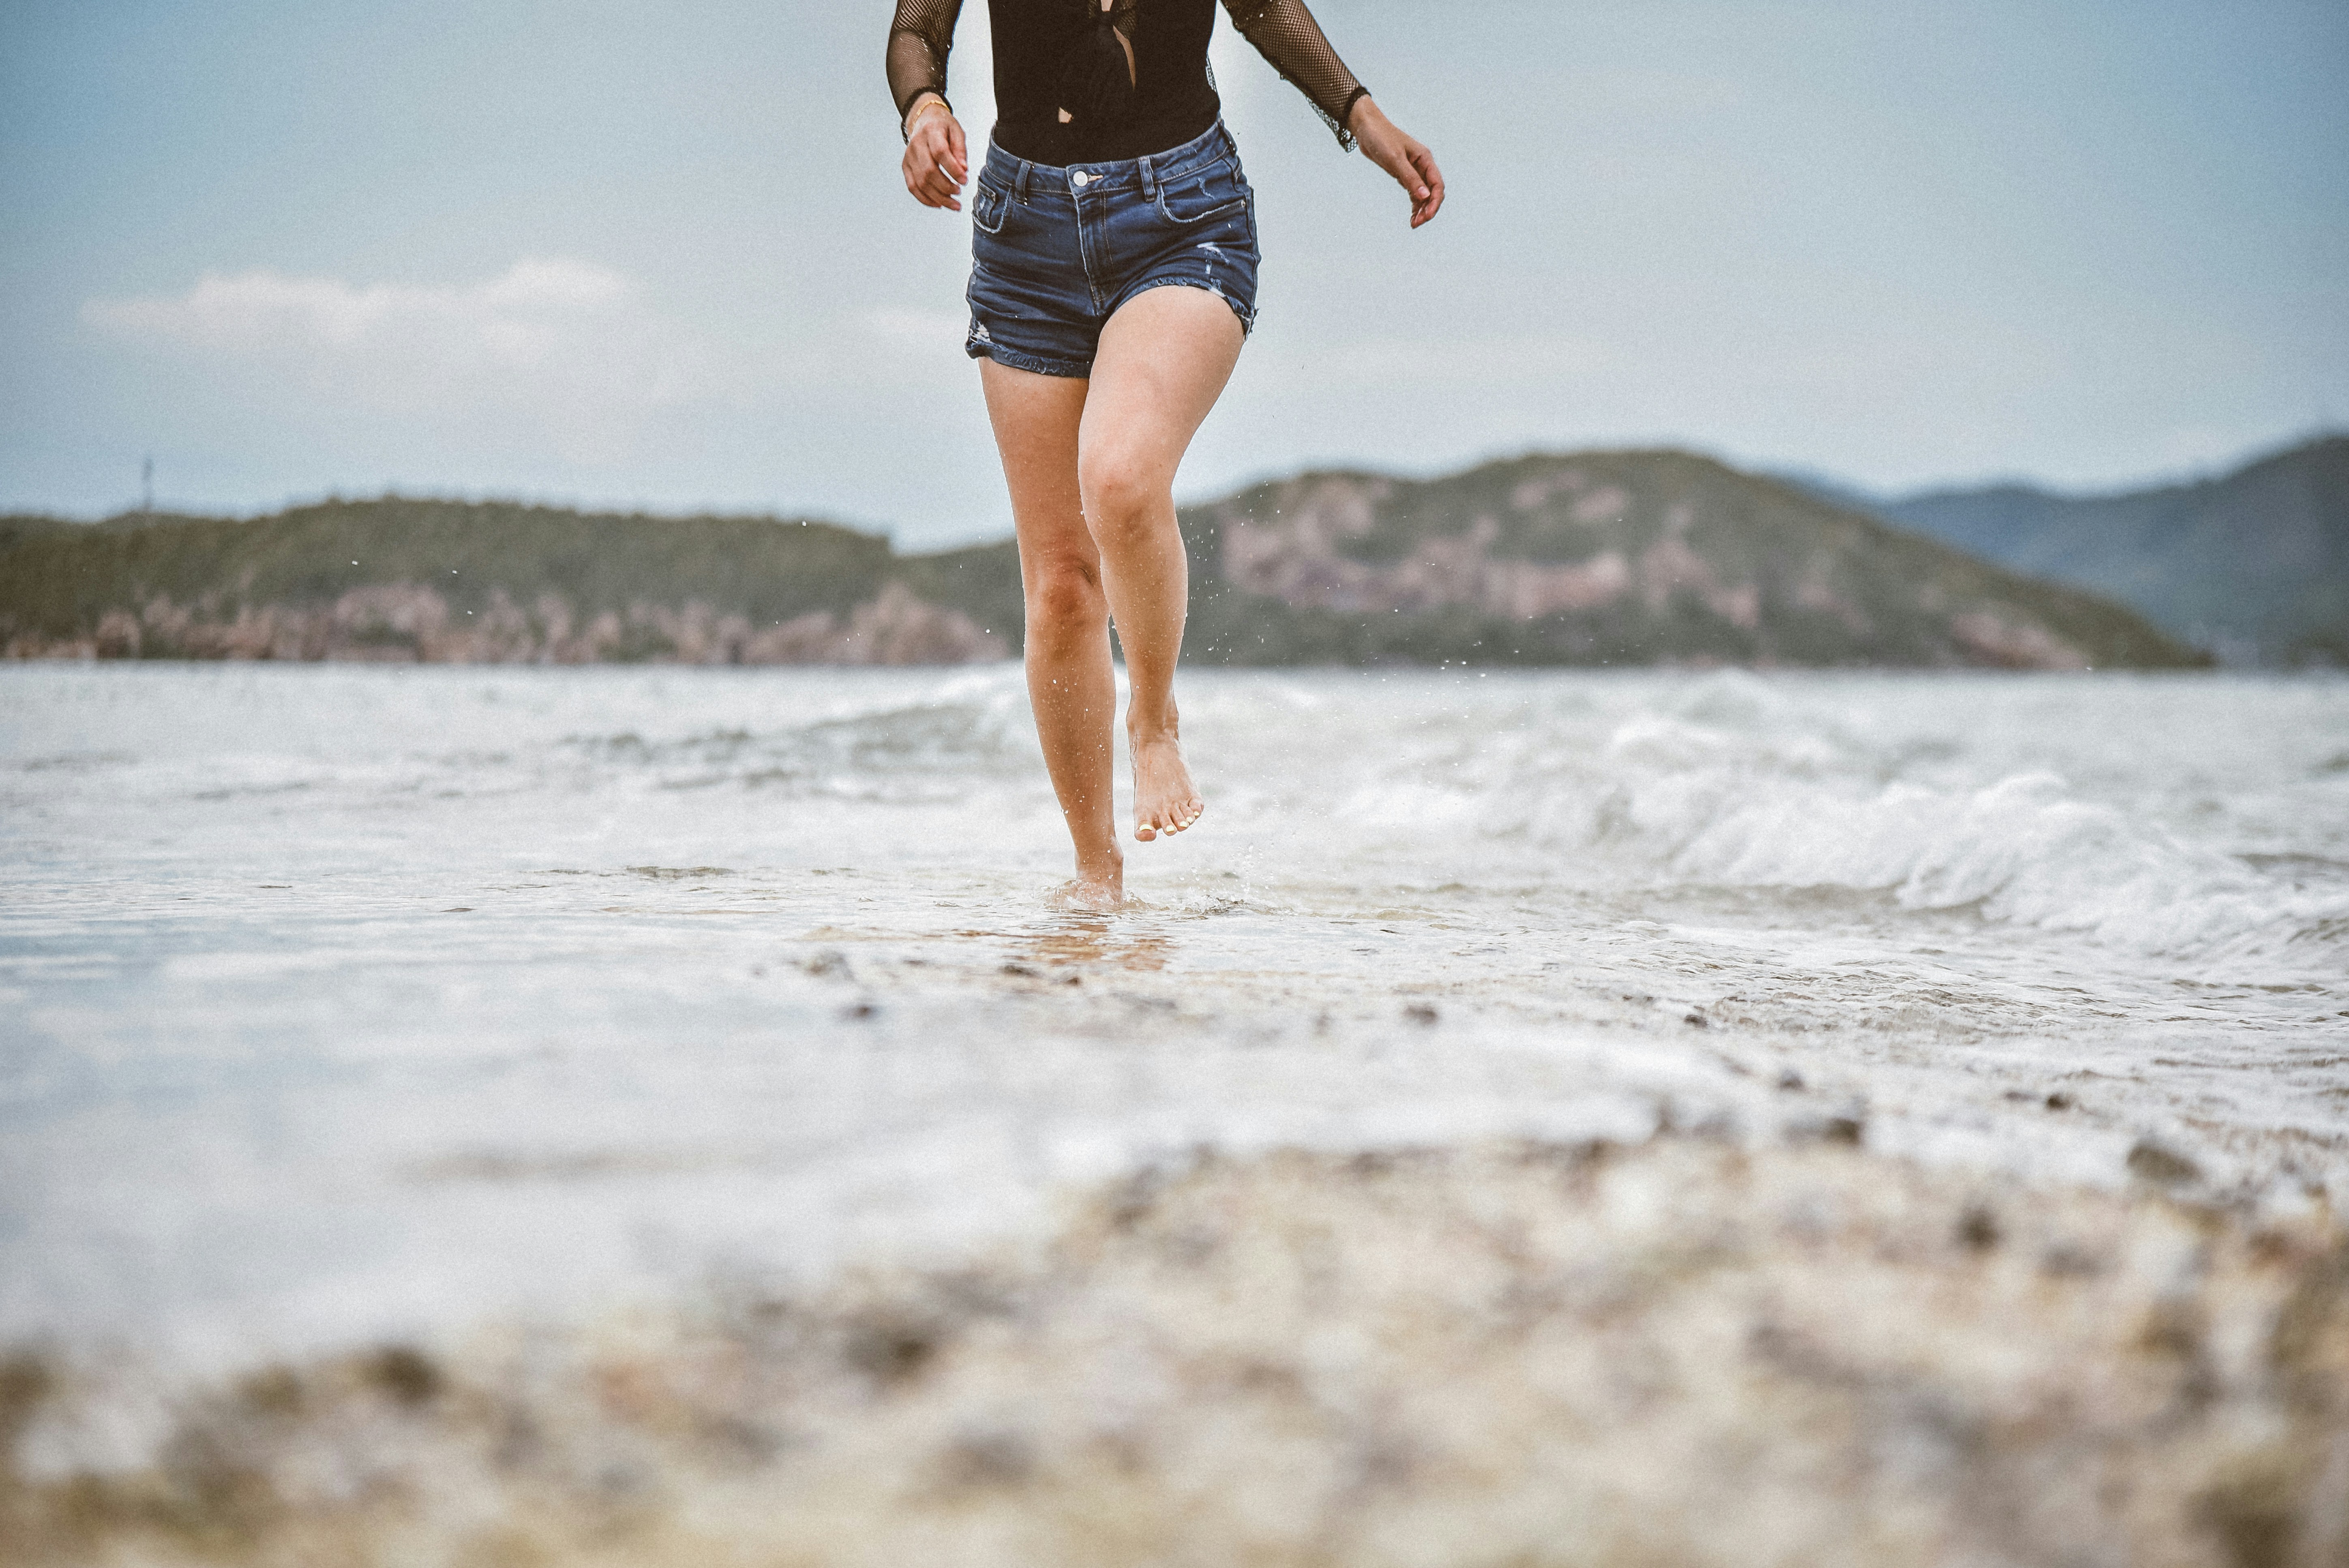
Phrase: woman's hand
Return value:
(936, 162)
(1413, 167)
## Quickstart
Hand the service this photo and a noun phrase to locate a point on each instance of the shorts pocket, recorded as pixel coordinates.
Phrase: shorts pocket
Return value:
(989, 208)
(1201, 198)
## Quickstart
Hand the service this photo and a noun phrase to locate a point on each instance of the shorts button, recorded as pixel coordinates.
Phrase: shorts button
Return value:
(1080, 177)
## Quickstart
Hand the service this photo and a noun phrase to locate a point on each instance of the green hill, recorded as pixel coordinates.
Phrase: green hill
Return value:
(454, 582)
(1599, 558)
(1634, 557)
(2255, 561)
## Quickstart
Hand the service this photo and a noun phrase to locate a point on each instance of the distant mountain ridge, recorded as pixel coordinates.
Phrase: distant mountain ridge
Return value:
(475, 583)
(1621, 557)
(2254, 562)
(1593, 558)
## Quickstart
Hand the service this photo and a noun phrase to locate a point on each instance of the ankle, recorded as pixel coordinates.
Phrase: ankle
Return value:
(1144, 731)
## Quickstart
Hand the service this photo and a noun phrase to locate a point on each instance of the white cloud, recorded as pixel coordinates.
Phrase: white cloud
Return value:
(567, 345)
(515, 318)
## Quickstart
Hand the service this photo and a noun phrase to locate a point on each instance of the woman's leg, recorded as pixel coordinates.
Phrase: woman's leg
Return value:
(1070, 683)
(1163, 360)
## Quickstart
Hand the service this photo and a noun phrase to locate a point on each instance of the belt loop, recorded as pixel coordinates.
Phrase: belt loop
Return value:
(1019, 186)
(1149, 182)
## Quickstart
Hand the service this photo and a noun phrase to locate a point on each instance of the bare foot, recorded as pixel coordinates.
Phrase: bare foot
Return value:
(1082, 897)
(1164, 800)
(1099, 886)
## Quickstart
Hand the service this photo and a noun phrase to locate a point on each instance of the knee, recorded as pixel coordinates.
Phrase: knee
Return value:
(1064, 599)
(1122, 491)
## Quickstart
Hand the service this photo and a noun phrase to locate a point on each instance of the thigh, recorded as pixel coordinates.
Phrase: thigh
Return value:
(1164, 357)
(1036, 418)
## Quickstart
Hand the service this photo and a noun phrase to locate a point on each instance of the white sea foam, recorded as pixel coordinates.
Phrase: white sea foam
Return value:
(2025, 848)
(343, 1000)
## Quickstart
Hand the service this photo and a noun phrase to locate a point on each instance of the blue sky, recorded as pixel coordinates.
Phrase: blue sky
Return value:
(658, 255)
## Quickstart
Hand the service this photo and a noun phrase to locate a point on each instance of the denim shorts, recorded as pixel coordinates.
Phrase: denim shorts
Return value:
(1056, 251)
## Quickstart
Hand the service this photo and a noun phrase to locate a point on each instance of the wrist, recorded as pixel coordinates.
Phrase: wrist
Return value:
(1367, 124)
(922, 106)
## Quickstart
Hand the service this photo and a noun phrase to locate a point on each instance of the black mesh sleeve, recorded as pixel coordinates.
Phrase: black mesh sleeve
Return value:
(919, 41)
(1284, 33)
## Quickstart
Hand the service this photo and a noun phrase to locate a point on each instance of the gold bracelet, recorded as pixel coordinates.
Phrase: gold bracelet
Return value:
(922, 108)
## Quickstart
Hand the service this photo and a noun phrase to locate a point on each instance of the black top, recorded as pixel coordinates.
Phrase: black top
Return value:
(1086, 81)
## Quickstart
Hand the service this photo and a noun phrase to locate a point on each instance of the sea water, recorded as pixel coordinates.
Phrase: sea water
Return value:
(340, 1001)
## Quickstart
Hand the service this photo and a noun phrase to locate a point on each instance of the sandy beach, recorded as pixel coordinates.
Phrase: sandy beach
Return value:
(1686, 1352)
(516, 1118)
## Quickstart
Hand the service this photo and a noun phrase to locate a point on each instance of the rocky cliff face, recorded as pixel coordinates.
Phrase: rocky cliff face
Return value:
(404, 624)
(1622, 557)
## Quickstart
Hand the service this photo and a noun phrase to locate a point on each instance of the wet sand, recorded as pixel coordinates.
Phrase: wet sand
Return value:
(1685, 1352)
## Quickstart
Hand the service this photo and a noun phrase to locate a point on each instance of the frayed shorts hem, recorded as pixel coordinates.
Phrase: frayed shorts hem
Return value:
(978, 349)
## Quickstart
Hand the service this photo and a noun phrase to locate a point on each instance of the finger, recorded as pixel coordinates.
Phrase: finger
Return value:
(917, 176)
(1432, 202)
(1422, 167)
